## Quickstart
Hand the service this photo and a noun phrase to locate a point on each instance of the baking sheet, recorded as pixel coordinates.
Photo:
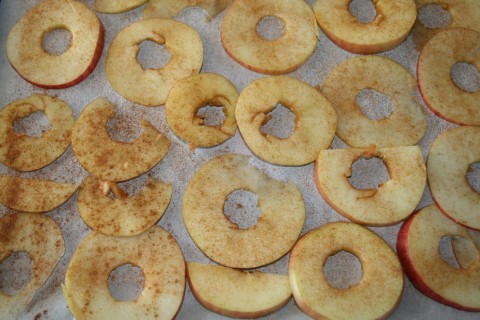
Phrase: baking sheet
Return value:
(180, 163)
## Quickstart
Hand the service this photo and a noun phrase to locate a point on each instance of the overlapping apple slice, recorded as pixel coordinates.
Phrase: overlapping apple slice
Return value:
(171, 8)
(117, 6)
(111, 160)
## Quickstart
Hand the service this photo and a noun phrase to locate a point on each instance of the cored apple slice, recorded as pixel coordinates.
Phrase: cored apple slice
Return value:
(283, 55)
(171, 8)
(42, 239)
(392, 202)
(449, 160)
(155, 251)
(122, 216)
(391, 26)
(418, 247)
(235, 293)
(112, 160)
(28, 57)
(376, 295)
(33, 195)
(117, 6)
(434, 73)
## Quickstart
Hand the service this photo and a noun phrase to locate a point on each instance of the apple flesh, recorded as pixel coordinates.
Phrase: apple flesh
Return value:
(117, 6)
(171, 8)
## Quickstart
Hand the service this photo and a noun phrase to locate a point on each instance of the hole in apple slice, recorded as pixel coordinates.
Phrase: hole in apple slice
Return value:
(280, 122)
(374, 105)
(466, 249)
(241, 208)
(212, 116)
(35, 125)
(126, 282)
(434, 16)
(125, 126)
(466, 76)
(368, 173)
(446, 252)
(152, 55)
(271, 28)
(128, 188)
(15, 273)
(363, 10)
(342, 270)
(57, 42)
(473, 176)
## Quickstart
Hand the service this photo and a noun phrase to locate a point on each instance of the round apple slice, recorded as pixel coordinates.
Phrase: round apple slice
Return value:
(392, 202)
(376, 295)
(26, 153)
(279, 226)
(42, 239)
(283, 55)
(33, 195)
(238, 294)
(150, 87)
(450, 158)
(112, 160)
(391, 26)
(155, 251)
(192, 93)
(418, 247)
(117, 6)
(122, 216)
(171, 8)
(28, 57)
(315, 121)
(440, 93)
(406, 125)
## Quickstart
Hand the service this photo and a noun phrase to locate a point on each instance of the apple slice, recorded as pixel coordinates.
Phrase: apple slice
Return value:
(418, 247)
(150, 87)
(42, 239)
(238, 294)
(449, 160)
(33, 195)
(155, 251)
(376, 295)
(171, 8)
(283, 55)
(440, 93)
(392, 202)
(112, 160)
(28, 57)
(117, 6)
(122, 216)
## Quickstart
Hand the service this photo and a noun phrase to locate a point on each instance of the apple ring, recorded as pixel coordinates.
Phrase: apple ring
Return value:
(315, 121)
(192, 93)
(22, 152)
(440, 93)
(405, 126)
(155, 251)
(35, 65)
(391, 26)
(171, 8)
(117, 6)
(42, 239)
(150, 87)
(283, 55)
(376, 295)
(281, 221)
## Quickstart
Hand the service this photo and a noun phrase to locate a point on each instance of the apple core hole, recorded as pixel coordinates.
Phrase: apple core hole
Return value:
(129, 188)
(466, 76)
(280, 122)
(446, 252)
(126, 282)
(342, 270)
(434, 16)
(270, 28)
(15, 273)
(368, 173)
(34, 125)
(241, 208)
(152, 55)
(373, 104)
(57, 42)
(212, 116)
(363, 10)
(473, 176)
(124, 127)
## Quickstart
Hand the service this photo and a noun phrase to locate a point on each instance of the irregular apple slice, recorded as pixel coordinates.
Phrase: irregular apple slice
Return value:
(235, 293)
(155, 251)
(150, 87)
(35, 65)
(450, 158)
(171, 8)
(122, 216)
(279, 226)
(117, 6)
(33, 195)
(406, 125)
(315, 121)
(392, 202)
(418, 247)
(440, 93)
(192, 93)
(391, 26)
(42, 239)
(283, 55)
(112, 160)
(376, 295)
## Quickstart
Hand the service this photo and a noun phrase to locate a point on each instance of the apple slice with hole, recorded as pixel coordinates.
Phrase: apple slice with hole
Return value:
(117, 6)
(418, 247)
(171, 8)
(238, 294)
